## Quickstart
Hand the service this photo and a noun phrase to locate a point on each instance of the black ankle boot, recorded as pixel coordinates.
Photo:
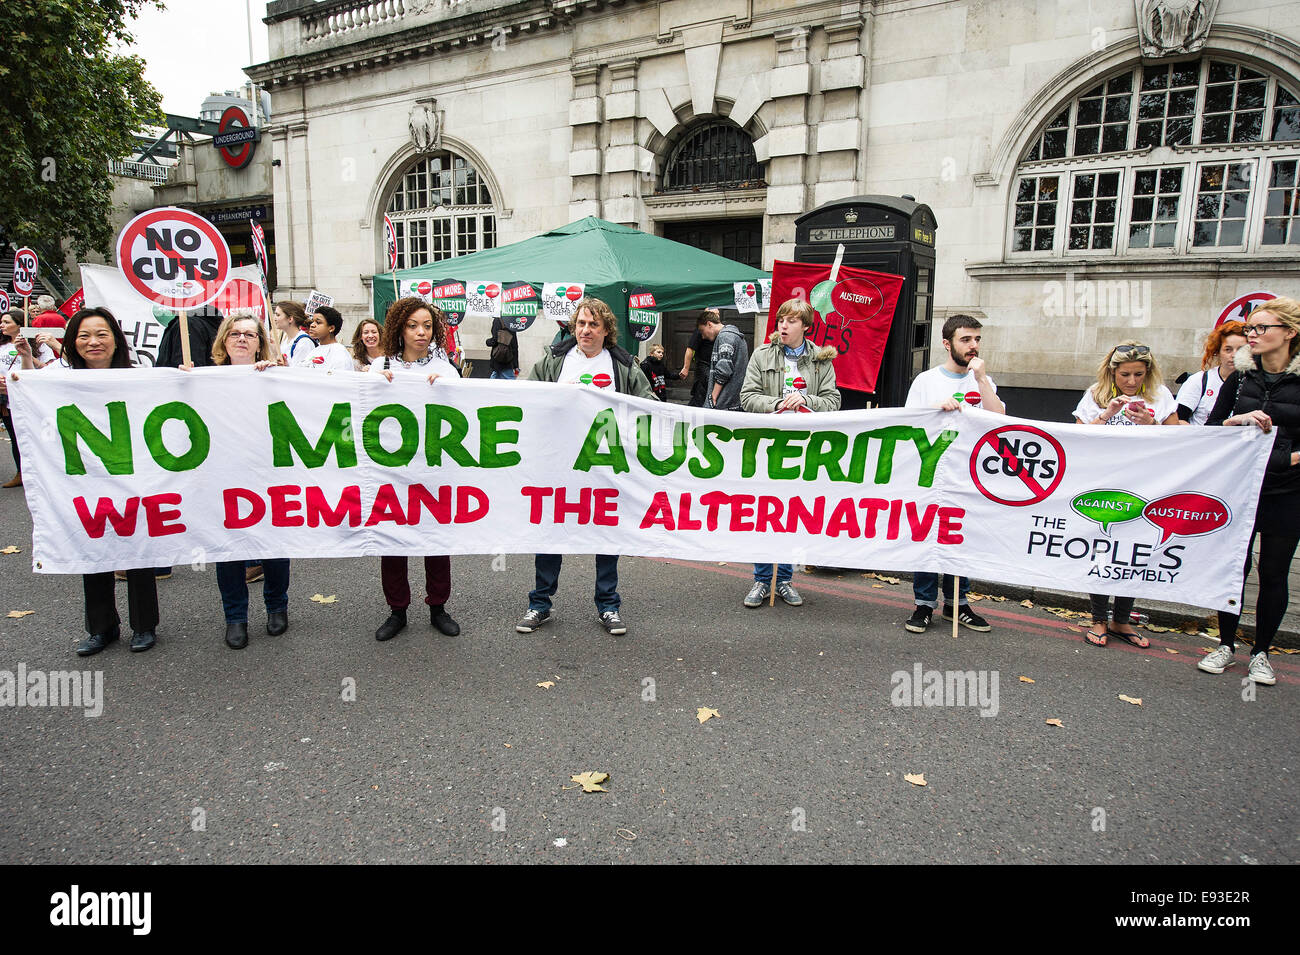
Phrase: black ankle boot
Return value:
(394, 625)
(442, 621)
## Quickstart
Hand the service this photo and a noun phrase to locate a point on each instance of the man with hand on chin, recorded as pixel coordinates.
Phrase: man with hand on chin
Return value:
(590, 357)
(959, 381)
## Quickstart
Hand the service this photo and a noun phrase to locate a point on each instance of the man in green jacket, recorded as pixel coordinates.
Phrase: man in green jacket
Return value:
(590, 357)
(788, 374)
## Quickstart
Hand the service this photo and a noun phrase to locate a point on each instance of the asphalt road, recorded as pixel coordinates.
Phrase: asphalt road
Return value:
(450, 751)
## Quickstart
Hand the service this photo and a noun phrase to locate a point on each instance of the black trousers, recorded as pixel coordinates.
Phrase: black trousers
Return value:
(141, 601)
(1100, 602)
(13, 437)
(1275, 553)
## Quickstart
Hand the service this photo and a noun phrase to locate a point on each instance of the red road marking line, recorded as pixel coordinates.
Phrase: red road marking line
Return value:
(1021, 622)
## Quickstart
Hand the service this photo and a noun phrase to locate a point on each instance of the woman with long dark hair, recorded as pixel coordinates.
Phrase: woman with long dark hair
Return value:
(94, 341)
(1128, 391)
(413, 333)
(366, 347)
(1264, 392)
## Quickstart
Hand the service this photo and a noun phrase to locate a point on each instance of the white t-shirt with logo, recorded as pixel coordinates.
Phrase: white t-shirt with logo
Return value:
(791, 373)
(596, 372)
(9, 360)
(1162, 405)
(435, 363)
(931, 387)
(331, 357)
(1201, 404)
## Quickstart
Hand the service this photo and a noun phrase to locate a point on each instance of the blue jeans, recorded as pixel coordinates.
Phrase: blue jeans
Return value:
(234, 587)
(763, 572)
(548, 580)
(506, 373)
(925, 587)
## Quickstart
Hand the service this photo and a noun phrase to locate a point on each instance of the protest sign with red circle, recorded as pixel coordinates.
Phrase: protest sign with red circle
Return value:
(173, 257)
(390, 243)
(4, 300)
(1017, 465)
(1241, 306)
(26, 265)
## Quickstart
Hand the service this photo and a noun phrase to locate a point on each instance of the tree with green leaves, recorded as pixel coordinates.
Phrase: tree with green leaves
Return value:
(68, 106)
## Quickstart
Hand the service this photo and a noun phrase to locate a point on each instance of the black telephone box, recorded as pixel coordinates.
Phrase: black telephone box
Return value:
(884, 234)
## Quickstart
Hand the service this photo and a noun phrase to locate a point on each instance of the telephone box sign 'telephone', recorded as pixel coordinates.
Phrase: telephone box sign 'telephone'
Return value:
(884, 234)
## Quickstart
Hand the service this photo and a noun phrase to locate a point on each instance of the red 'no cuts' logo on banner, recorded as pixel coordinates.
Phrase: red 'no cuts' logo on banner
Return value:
(1017, 465)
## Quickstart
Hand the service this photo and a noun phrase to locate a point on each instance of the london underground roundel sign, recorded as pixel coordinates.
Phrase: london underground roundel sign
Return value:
(173, 257)
(235, 138)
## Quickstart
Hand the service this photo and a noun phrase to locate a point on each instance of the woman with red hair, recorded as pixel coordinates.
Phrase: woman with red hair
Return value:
(1199, 392)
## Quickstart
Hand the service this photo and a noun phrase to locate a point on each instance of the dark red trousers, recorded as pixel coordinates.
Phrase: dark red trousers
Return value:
(397, 588)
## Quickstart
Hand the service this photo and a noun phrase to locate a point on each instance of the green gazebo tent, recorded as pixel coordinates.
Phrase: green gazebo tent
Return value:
(611, 260)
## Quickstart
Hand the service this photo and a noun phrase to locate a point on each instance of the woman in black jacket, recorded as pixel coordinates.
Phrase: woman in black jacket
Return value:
(1264, 392)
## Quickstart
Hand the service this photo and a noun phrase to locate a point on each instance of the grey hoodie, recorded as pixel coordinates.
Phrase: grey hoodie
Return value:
(730, 359)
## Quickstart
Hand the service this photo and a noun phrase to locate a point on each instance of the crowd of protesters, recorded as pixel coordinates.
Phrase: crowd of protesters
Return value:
(1250, 377)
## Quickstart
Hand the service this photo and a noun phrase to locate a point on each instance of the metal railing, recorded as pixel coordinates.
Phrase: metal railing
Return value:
(139, 170)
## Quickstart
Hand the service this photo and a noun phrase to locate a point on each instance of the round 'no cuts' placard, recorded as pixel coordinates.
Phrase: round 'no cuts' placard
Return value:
(173, 257)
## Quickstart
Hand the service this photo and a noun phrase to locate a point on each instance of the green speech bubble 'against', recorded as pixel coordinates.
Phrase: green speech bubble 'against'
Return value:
(1108, 507)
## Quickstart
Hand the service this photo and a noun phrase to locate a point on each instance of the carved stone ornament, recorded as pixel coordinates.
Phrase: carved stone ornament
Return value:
(425, 122)
(1172, 27)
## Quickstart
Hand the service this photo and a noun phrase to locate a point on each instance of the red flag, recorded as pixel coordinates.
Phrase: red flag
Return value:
(854, 313)
(74, 304)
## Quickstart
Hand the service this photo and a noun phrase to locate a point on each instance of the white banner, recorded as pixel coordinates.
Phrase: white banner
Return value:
(149, 468)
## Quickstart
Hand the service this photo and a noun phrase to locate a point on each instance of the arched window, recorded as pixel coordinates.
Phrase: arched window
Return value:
(1167, 158)
(716, 154)
(441, 208)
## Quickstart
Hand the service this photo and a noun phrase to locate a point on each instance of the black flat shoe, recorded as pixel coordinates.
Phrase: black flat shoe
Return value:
(277, 622)
(237, 635)
(143, 641)
(391, 627)
(443, 623)
(97, 641)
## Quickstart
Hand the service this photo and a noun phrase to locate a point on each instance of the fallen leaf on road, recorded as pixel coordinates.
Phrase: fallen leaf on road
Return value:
(1025, 679)
(1027, 603)
(1153, 628)
(1055, 723)
(1070, 626)
(1170, 650)
(916, 779)
(1066, 614)
(546, 684)
(20, 613)
(1136, 701)
(590, 782)
(878, 586)
(703, 713)
(11, 549)
(322, 599)
(506, 745)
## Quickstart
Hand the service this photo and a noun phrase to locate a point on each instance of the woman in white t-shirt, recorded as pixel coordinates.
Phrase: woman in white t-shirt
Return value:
(410, 345)
(1199, 392)
(365, 344)
(329, 354)
(1128, 392)
(15, 354)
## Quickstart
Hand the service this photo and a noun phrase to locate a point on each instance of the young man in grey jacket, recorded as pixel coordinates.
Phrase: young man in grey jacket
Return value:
(727, 367)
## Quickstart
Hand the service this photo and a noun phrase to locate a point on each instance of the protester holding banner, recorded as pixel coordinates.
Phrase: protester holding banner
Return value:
(1264, 392)
(365, 344)
(291, 321)
(788, 374)
(1199, 392)
(242, 342)
(590, 357)
(329, 354)
(95, 341)
(960, 381)
(16, 353)
(1128, 391)
(412, 331)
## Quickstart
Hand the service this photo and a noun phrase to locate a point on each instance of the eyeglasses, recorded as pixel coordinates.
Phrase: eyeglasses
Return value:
(1128, 353)
(242, 335)
(1259, 329)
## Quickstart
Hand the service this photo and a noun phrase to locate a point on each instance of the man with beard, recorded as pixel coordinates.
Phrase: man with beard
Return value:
(961, 380)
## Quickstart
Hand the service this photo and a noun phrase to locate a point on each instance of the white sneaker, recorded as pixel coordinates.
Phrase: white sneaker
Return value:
(1218, 659)
(1261, 671)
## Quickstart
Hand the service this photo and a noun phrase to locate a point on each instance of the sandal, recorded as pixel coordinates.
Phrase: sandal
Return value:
(1132, 639)
(1096, 639)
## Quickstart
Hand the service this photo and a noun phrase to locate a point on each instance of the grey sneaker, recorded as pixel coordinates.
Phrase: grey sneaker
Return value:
(1217, 660)
(757, 594)
(613, 623)
(1261, 671)
(533, 619)
(785, 590)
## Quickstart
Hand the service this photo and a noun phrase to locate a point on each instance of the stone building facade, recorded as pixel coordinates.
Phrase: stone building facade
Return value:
(1099, 169)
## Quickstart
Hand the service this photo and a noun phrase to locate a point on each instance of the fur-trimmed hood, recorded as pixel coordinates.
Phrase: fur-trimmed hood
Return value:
(1244, 361)
(823, 353)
